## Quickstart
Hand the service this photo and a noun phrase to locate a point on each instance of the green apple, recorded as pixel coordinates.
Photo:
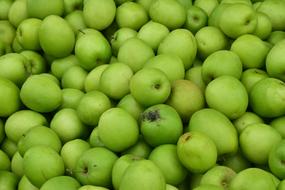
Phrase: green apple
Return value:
(70, 153)
(264, 26)
(72, 6)
(8, 180)
(74, 77)
(92, 187)
(58, 42)
(8, 32)
(236, 162)
(71, 98)
(182, 43)
(140, 149)
(153, 33)
(41, 93)
(191, 151)
(59, 66)
(194, 180)
(218, 127)
(194, 74)
(94, 13)
(215, 16)
(9, 97)
(196, 19)
(208, 187)
(145, 3)
(5, 163)
(35, 61)
(94, 167)
(76, 21)
(246, 119)
(18, 12)
(275, 37)
(51, 77)
(258, 139)
(140, 51)
(94, 139)
(42, 163)
(4, 8)
(141, 175)
(281, 185)
(5, 48)
(25, 184)
(170, 187)
(39, 8)
(278, 123)
(61, 183)
(131, 10)
(186, 98)
(168, 12)
(209, 40)
(17, 166)
(276, 159)
(251, 76)
(207, 5)
(150, 86)
(96, 103)
(92, 81)
(9, 147)
(123, 122)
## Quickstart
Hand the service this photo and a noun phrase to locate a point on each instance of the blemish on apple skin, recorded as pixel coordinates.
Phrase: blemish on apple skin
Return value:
(151, 116)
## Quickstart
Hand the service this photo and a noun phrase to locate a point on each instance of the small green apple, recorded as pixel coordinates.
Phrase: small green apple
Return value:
(9, 147)
(141, 148)
(246, 119)
(59, 66)
(18, 12)
(264, 26)
(196, 19)
(94, 139)
(194, 74)
(275, 37)
(5, 163)
(72, 6)
(35, 61)
(76, 21)
(276, 159)
(39, 8)
(92, 187)
(61, 183)
(4, 8)
(25, 184)
(8, 32)
(92, 81)
(71, 98)
(251, 76)
(278, 123)
(207, 5)
(236, 162)
(74, 77)
(8, 180)
(17, 166)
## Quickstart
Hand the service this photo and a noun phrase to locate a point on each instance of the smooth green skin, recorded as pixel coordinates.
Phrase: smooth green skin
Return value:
(221, 63)
(274, 10)
(96, 103)
(16, 47)
(92, 187)
(115, 79)
(186, 98)
(2, 132)
(171, 65)
(8, 180)
(251, 50)
(15, 67)
(194, 74)
(235, 25)
(140, 51)
(9, 97)
(236, 162)
(195, 179)
(94, 167)
(31, 138)
(166, 158)
(218, 127)
(209, 40)
(153, 33)
(92, 49)
(58, 42)
(246, 2)
(281, 185)
(129, 104)
(61, 183)
(170, 187)
(36, 61)
(4, 8)
(275, 160)
(17, 166)
(47, 96)
(150, 86)
(207, 5)
(227, 95)
(94, 139)
(182, 43)
(132, 10)
(215, 16)
(8, 32)
(140, 149)
(141, 175)
(258, 139)
(264, 27)
(74, 78)
(72, 5)
(266, 98)
(71, 152)
(9, 147)
(190, 151)
(121, 166)
(17, 12)
(157, 123)
(196, 19)
(39, 8)
(25, 184)
(71, 98)
(67, 125)
(218, 175)
(59, 66)
(252, 178)
(5, 48)
(76, 21)
(5, 163)
(120, 36)
(42, 163)
(275, 37)
(251, 76)
(278, 124)
(145, 3)
(208, 187)
(114, 120)
(94, 13)
(92, 81)
(170, 13)
(50, 77)
(246, 119)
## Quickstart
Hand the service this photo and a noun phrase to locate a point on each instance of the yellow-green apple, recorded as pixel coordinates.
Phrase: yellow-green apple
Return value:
(17, 166)
(72, 6)
(39, 8)
(208, 187)
(275, 37)
(264, 26)
(8, 32)
(276, 159)
(76, 21)
(74, 77)
(194, 74)
(9, 147)
(141, 148)
(4, 8)
(71, 98)
(246, 119)
(251, 76)
(18, 12)
(5, 163)
(120, 36)
(61, 183)
(237, 162)
(8, 180)
(94, 139)
(59, 66)
(278, 123)
(25, 184)
(35, 61)
(196, 18)
(207, 5)
(145, 3)
(92, 80)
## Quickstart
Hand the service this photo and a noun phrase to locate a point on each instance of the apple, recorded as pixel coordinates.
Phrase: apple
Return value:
(94, 167)
(5, 48)
(196, 19)
(191, 148)
(278, 123)
(59, 66)
(58, 42)
(208, 187)
(71, 98)
(170, 187)
(214, 18)
(92, 81)
(264, 26)
(18, 12)
(4, 8)
(236, 162)
(140, 149)
(92, 187)
(275, 37)
(246, 119)
(8, 32)
(276, 159)
(5, 163)
(25, 184)
(74, 78)
(61, 183)
(132, 10)
(281, 185)
(39, 8)
(9, 147)
(47, 96)
(51, 77)
(35, 61)
(251, 76)
(72, 6)
(94, 139)
(8, 180)
(145, 3)
(207, 5)
(76, 21)
(17, 164)
(194, 74)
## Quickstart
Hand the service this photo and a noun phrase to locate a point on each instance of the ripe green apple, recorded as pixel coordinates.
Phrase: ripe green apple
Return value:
(5, 48)
(207, 5)
(47, 96)
(140, 149)
(191, 151)
(71, 98)
(246, 119)
(35, 61)
(72, 6)
(251, 76)
(161, 124)
(25, 184)
(58, 42)
(246, 2)
(8, 32)
(236, 162)
(61, 183)
(141, 175)
(18, 12)
(9, 147)
(51, 77)
(94, 167)
(92, 80)
(8, 180)
(114, 120)
(215, 16)
(150, 86)
(168, 12)
(182, 43)
(42, 163)
(208, 187)
(9, 97)
(196, 19)
(39, 8)
(278, 123)
(141, 52)
(92, 187)
(145, 3)
(4, 8)
(17, 166)
(170, 187)
(96, 103)
(74, 77)
(281, 185)
(221, 130)
(166, 158)
(264, 26)
(16, 46)
(194, 180)
(5, 163)
(275, 37)
(76, 21)
(120, 36)
(70, 153)
(276, 159)
(94, 139)
(60, 65)
(132, 10)
(194, 74)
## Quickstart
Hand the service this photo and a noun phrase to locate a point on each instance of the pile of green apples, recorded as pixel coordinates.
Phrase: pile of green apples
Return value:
(142, 94)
